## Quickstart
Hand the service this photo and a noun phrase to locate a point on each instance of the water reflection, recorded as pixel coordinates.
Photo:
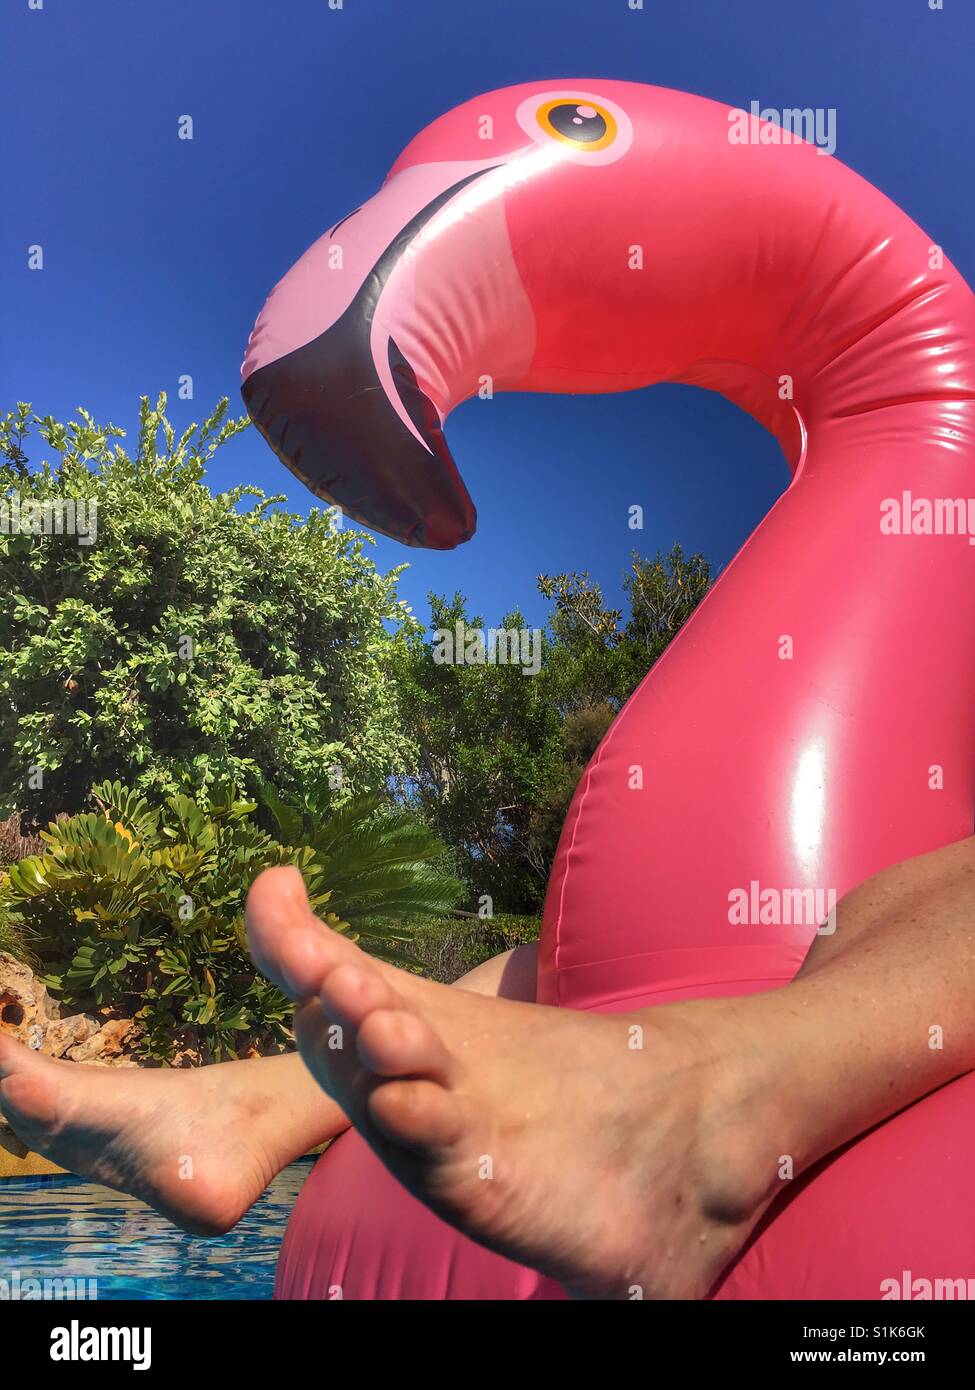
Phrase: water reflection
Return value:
(71, 1229)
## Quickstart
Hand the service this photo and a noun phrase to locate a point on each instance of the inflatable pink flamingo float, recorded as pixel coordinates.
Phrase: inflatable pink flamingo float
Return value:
(812, 724)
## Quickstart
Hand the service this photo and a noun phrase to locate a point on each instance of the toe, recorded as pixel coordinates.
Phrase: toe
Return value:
(11, 1056)
(351, 992)
(287, 941)
(329, 1054)
(29, 1099)
(16, 1058)
(396, 1042)
(416, 1114)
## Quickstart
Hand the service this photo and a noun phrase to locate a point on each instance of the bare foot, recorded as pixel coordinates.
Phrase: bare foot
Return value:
(624, 1155)
(198, 1146)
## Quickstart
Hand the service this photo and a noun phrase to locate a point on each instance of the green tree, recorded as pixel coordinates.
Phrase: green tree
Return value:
(201, 637)
(486, 736)
(597, 660)
(663, 593)
(500, 754)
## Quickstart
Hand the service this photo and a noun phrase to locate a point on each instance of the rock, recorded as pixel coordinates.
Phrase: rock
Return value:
(28, 1014)
(107, 1043)
(64, 1033)
(26, 1010)
(186, 1057)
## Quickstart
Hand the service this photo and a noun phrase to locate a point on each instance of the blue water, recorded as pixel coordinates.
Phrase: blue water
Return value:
(68, 1229)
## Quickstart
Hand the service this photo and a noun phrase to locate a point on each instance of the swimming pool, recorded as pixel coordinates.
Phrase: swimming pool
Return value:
(66, 1229)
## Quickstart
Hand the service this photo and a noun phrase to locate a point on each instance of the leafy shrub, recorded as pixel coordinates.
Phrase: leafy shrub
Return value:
(447, 947)
(200, 639)
(14, 846)
(378, 861)
(140, 908)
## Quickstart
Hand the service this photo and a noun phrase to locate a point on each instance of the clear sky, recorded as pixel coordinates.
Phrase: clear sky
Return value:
(159, 252)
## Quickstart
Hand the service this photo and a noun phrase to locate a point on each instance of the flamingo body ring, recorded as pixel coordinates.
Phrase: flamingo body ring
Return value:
(814, 721)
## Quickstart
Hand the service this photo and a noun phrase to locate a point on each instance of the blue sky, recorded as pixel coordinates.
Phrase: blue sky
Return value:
(159, 252)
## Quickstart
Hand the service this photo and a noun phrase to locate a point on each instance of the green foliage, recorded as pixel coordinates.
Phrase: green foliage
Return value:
(448, 947)
(139, 907)
(12, 941)
(500, 753)
(200, 639)
(487, 739)
(205, 641)
(378, 860)
(596, 657)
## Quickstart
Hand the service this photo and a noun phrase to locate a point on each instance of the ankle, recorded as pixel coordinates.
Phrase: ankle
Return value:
(743, 1119)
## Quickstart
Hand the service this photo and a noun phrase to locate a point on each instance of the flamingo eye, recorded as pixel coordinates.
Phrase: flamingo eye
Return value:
(581, 127)
(582, 124)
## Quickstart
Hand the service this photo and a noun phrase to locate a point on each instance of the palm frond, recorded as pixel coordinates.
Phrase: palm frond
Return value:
(376, 859)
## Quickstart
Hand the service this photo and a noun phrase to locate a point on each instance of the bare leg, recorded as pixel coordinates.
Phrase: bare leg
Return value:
(199, 1146)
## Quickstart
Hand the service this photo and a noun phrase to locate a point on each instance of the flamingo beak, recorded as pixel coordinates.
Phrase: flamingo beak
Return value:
(344, 409)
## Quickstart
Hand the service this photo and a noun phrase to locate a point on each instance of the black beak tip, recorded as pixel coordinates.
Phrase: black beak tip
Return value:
(446, 529)
(349, 448)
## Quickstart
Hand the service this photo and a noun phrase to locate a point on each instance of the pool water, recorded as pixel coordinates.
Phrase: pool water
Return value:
(63, 1228)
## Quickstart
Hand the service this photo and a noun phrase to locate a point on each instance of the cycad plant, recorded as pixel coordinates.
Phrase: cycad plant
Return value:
(378, 864)
(140, 908)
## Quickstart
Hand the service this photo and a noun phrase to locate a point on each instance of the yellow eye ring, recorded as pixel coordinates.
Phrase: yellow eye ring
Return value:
(544, 118)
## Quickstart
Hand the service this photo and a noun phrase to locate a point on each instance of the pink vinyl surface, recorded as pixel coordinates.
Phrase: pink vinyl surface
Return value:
(791, 736)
